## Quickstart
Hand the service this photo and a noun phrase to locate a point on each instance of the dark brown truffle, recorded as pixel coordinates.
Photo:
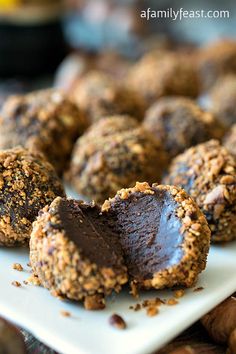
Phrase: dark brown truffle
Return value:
(164, 236)
(110, 125)
(215, 60)
(11, 339)
(163, 75)
(208, 173)
(27, 183)
(229, 140)
(102, 164)
(223, 98)
(74, 252)
(99, 95)
(44, 121)
(180, 123)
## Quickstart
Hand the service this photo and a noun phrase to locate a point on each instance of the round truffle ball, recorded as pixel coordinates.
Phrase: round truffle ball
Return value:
(223, 98)
(44, 121)
(11, 339)
(74, 252)
(208, 173)
(164, 75)
(164, 236)
(101, 165)
(100, 95)
(112, 125)
(180, 123)
(215, 60)
(27, 183)
(229, 140)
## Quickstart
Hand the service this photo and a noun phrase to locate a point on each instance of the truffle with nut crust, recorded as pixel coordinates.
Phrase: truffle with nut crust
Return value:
(229, 140)
(164, 75)
(208, 173)
(74, 252)
(44, 121)
(223, 98)
(27, 183)
(216, 60)
(100, 95)
(164, 236)
(101, 165)
(179, 123)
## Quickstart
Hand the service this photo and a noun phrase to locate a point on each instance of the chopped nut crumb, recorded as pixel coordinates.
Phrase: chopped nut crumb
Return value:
(179, 293)
(65, 313)
(117, 321)
(152, 311)
(33, 279)
(17, 266)
(95, 302)
(16, 283)
(171, 302)
(200, 288)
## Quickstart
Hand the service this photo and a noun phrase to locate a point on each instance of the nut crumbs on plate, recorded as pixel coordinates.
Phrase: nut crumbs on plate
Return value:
(117, 321)
(65, 313)
(16, 283)
(17, 266)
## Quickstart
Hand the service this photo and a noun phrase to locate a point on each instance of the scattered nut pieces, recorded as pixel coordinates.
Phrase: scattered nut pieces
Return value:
(200, 288)
(117, 321)
(94, 302)
(34, 280)
(179, 293)
(65, 313)
(16, 283)
(171, 302)
(17, 266)
(152, 311)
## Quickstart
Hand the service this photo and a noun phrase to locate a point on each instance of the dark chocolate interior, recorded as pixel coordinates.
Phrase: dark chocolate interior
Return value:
(149, 232)
(90, 232)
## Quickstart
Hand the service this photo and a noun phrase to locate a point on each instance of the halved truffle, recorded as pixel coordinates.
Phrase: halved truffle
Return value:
(75, 252)
(208, 173)
(27, 183)
(164, 236)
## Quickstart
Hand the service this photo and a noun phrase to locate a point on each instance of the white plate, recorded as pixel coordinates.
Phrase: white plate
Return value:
(89, 332)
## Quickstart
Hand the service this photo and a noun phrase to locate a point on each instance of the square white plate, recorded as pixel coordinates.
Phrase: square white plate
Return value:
(89, 331)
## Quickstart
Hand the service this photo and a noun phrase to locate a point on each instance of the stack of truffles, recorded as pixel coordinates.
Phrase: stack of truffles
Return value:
(156, 173)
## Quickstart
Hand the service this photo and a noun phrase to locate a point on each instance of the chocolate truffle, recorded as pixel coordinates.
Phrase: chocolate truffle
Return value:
(112, 125)
(223, 98)
(215, 60)
(208, 173)
(164, 236)
(164, 75)
(229, 140)
(180, 123)
(75, 253)
(27, 183)
(101, 165)
(11, 339)
(44, 121)
(99, 95)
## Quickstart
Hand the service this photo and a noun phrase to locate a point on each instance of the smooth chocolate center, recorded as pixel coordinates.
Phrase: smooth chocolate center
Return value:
(149, 232)
(90, 232)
